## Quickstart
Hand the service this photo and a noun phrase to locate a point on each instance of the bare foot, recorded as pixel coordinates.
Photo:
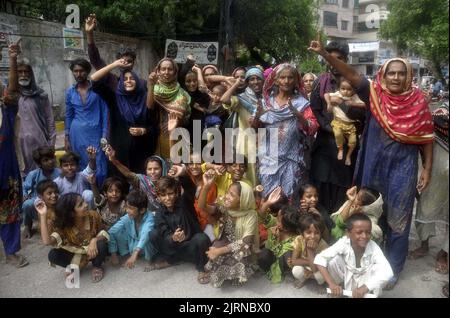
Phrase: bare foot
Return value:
(28, 232)
(348, 161)
(418, 253)
(17, 260)
(156, 266)
(340, 154)
(299, 283)
(115, 259)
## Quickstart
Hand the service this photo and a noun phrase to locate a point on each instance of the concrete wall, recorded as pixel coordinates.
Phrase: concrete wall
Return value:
(42, 45)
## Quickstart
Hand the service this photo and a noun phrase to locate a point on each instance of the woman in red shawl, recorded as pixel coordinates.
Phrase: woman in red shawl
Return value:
(399, 124)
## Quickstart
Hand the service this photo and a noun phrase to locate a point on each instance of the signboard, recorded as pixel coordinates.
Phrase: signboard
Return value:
(73, 39)
(204, 52)
(73, 44)
(364, 46)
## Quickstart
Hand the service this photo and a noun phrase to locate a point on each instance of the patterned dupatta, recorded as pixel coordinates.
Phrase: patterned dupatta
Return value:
(405, 118)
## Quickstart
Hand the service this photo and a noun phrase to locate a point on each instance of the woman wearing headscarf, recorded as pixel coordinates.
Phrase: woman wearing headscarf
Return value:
(136, 145)
(37, 128)
(399, 124)
(239, 74)
(244, 105)
(233, 254)
(288, 111)
(308, 80)
(164, 89)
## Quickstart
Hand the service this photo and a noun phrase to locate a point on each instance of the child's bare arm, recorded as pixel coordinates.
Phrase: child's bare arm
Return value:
(336, 290)
(208, 180)
(129, 175)
(93, 182)
(92, 153)
(42, 210)
(226, 97)
(358, 104)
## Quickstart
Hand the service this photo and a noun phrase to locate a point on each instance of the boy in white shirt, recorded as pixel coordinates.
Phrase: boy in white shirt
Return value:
(355, 260)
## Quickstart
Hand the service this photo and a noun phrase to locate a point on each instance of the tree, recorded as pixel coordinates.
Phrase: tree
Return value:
(283, 29)
(153, 20)
(420, 26)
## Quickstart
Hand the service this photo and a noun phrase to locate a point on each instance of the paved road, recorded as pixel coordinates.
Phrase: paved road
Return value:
(40, 280)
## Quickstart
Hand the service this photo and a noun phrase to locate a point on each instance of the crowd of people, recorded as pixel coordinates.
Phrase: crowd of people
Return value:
(336, 205)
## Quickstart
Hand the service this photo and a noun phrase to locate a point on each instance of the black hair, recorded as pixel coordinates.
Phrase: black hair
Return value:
(304, 187)
(153, 159)
(44, 185)
(81, 62)
(65, 210)
(290, 218)
(245, 163)
(308, 219)
(222, 88)
(355, 218)
(334, 46)
(368, 196)
(137, 199)
(127, 51)
(69, 156)
(167, 183)
(43, 152)
(118, 182)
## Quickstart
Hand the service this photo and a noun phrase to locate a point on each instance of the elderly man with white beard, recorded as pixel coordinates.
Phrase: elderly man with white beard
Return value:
(37, 124)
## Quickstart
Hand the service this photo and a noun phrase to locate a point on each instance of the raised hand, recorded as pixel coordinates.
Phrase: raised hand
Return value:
(91, 179)
(220, 169)
(351, 193)
(90, 23)
(14, 49)
(137, 131)
(92, 152)
(176, 171)
(209, 177)
(173, 122)
(152, 78)
(316, 45)
(274, 196)
(40, 206)
(111, 153)
(122, 63)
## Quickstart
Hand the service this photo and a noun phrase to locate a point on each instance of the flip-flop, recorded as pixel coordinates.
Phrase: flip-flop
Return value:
(441, 268)
(97, 274)
(22, 262)
(203, 278)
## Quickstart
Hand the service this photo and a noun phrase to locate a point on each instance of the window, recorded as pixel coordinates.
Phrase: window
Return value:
(331, 1)
(330, 19)
(344, 25)
(355, 23)
(345, 3)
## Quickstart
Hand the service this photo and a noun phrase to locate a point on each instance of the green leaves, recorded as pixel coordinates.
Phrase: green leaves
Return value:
(420, 26)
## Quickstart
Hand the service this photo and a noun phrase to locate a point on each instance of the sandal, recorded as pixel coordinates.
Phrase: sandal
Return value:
(18, 262)
(203, 278)
(97, 274)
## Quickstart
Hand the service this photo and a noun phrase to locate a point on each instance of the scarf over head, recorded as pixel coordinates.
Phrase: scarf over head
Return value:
(246, 222)
(132, 104)
(171, 96)
(32, 90)
(405, 118)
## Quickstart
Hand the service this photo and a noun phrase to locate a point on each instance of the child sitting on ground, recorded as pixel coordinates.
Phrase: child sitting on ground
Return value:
(273, 258)
(355, 260)
(155, 168)
(130, 235)
(365, 201)
(110, 205)
(72, 181)
(78, 236)
(305, 248)
(343, 127)
(309, 203)
(177, 235)
(48, 192)
(46, 161)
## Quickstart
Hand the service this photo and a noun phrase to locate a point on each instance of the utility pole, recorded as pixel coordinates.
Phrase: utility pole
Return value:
(225, 36)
